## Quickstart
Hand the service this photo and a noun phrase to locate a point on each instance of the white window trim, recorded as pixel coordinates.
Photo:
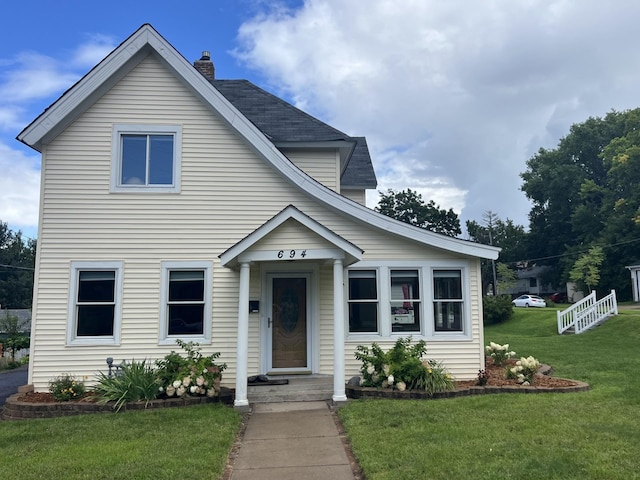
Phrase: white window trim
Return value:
(379, 300)
(167, 266)
(76, 267)
(144, 129)
(465, 334)
(425, 275)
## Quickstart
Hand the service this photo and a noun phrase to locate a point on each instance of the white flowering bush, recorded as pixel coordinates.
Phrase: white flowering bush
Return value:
(499, 353)
(402, 368)
(194, 374)
(524, 370)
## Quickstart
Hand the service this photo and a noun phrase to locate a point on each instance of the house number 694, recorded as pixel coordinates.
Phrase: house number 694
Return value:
(291, 254)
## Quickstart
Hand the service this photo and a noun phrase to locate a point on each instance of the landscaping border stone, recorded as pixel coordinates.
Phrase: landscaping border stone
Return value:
(356, 392)
(14, 409)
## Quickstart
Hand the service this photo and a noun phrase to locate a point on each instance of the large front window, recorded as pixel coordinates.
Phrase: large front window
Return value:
(424, 299)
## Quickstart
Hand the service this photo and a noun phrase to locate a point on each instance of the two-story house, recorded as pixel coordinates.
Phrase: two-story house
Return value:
(178, 206)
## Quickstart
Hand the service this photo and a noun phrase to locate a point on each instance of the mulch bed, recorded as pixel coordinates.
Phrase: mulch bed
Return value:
(498, 377)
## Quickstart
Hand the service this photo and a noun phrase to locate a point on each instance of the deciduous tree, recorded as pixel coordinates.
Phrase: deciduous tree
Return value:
(409, 207)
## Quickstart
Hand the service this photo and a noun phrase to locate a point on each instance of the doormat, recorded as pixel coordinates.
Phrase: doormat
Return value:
(264, 380)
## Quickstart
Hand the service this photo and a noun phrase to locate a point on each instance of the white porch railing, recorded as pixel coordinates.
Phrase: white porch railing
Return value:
(587, 313)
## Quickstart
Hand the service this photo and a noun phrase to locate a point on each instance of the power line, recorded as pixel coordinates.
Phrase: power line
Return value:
(16, 267)
(581, 251)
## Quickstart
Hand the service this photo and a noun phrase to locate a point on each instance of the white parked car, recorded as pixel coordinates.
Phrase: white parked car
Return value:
(529, 301)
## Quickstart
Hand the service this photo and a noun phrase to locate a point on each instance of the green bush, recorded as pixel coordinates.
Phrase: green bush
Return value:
(496, 309)
(136, 381)
(402, 368)
(65, 388)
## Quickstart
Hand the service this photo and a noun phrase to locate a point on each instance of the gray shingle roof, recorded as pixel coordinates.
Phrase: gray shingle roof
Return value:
(282, 122)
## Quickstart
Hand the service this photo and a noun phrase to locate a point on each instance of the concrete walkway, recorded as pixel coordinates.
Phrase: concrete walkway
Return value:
(291, 440)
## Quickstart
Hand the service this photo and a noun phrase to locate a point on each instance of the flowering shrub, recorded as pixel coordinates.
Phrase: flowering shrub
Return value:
(499, 353)
(524, 370)
(65, 388)
(194, 374)
(402, 368)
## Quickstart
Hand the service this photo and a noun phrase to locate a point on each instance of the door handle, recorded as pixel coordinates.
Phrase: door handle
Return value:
(268, 322)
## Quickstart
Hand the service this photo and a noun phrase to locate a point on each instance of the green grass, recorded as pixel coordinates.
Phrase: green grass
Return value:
(587, 435)
(155, 444)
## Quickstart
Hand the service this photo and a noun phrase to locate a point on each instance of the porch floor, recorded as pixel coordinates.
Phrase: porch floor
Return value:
(301, 388)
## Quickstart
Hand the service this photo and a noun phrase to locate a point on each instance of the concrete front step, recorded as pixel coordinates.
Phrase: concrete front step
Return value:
(305, 388)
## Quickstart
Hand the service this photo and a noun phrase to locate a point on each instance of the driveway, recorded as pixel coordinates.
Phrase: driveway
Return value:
(10, 380)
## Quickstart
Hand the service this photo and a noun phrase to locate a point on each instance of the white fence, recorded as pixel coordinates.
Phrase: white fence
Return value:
(587, 313)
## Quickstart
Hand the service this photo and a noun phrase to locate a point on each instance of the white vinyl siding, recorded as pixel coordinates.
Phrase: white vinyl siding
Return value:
(358, 196)
(226, 193)
(321, 164)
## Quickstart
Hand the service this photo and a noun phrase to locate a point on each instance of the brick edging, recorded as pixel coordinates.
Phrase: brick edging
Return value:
(14, 409)
(355, 392)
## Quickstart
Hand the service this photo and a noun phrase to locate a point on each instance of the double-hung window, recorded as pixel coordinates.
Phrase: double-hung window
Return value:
(363, 301)
(405, 301)
(186, 301)
(448, 302)
(146, 158)
(94, 303)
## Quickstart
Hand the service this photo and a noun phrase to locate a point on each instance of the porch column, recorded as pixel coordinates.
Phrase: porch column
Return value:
(338, 332)
(243, 338)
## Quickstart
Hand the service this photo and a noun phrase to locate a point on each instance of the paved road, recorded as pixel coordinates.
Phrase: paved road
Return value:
(10, 380)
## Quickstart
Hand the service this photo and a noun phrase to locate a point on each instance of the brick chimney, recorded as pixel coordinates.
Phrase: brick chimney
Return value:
(205, 66)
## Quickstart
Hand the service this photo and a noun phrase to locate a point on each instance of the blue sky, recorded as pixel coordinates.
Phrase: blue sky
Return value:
(453, 96)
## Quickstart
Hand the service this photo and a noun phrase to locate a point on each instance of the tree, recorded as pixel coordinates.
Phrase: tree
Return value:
(17, 261)
(584, 193)
(12, 334)
(409, 207)
(507, 277)
(586, 270)
(511, 238)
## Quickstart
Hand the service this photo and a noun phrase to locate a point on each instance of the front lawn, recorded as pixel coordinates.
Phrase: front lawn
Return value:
(588, 435)
(157, 444)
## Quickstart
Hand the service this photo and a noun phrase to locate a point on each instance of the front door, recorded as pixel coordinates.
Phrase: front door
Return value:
(288, 323)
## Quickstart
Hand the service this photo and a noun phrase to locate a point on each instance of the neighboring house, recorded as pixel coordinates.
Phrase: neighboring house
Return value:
(530, 281)
(177, 206)
(24, 321)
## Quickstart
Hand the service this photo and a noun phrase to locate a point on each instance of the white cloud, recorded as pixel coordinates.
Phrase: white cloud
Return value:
(10, 117)
(19, 188)
(34, 76)
(92, 52)
(453, 97)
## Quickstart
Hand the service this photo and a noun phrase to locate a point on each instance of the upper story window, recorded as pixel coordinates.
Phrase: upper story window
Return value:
(146, 158)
